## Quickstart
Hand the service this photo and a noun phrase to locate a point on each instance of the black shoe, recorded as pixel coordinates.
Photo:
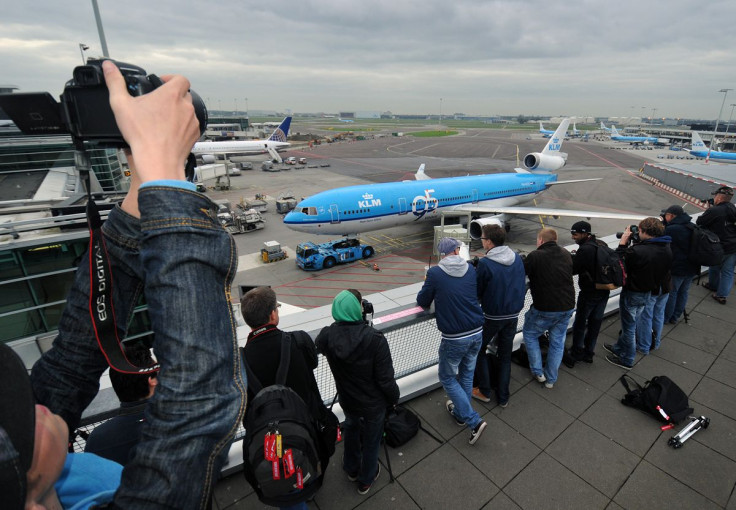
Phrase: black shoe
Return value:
(588, 358)
(363, 489)
(615, 360)
(609, 348)
(477, 431)
(568, 360)
(451, 409)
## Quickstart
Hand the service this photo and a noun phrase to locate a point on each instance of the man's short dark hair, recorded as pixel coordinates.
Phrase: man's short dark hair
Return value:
(257, 304)
(652, 227)
(494, 233)
(133, 387)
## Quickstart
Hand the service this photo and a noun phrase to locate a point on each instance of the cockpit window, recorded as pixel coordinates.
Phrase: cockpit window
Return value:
(310, 211)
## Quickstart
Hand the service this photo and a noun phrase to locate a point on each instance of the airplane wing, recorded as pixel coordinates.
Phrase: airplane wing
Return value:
(536, 211)
(553, 183)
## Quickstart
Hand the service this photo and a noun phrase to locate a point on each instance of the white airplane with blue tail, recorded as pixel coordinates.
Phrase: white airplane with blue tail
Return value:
(700, 150)
(490, 198)
(274, 143)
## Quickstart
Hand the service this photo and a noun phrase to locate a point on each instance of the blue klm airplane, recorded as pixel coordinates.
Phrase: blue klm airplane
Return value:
(546, 133)
(355, 209)
(700, 150)
(635, 139)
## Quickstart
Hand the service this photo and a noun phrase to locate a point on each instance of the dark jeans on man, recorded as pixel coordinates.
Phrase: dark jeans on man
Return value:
(587, 324)
(493, 373)
(362, 442)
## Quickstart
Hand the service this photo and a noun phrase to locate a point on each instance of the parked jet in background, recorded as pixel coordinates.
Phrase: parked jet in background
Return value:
(546, 133)
(275, 142)
(636, 139)
(356, 209)
(604, 128)
(346, 120)
(700, 150)
(575, 131)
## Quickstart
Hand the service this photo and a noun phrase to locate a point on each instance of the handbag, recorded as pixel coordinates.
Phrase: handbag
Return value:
(401, 425)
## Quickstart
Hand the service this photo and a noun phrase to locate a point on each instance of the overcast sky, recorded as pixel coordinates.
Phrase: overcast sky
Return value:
(486, 57)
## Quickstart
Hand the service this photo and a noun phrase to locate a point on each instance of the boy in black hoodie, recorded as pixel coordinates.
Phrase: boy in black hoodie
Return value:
(361, 363)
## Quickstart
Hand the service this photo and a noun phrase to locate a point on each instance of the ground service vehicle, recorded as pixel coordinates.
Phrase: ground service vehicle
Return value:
(272, 252)
(313, 257)
(239, 220)
(290, 160)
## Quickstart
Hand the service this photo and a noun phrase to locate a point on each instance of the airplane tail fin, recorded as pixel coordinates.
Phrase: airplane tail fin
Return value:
(614, 131)
(603, 126)
(420, 175)
(555, 141)
(697, 143)
(541, 127)
(281, 133)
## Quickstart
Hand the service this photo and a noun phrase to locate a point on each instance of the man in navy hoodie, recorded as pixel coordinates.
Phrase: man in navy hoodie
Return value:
(452, 286)
(501, 291)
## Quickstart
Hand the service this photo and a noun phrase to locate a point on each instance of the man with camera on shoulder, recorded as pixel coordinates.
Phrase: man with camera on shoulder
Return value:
(648, 261)
(720, 219)
(361, 363)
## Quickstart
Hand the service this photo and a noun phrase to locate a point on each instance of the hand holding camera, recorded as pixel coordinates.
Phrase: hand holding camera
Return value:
(630, 234)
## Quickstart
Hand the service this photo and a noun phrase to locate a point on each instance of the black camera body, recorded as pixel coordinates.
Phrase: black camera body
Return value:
(367, 308)
(634, 234)
(84, 111)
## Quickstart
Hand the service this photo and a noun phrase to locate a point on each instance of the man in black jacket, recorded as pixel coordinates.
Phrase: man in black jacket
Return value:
(647, 265)
(549, 269)
(720, 219)
(361, 363)
(677, 225)
(591, 301)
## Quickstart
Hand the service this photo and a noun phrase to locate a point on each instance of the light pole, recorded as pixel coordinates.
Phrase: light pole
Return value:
(654, 111)
(82, 48)
(730, 117)
(715, 131)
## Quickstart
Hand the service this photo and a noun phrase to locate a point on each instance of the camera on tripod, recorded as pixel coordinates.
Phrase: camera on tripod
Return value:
(367, 307)
(84, 110)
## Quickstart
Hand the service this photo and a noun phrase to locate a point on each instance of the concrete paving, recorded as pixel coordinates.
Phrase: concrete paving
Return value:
(574, 446)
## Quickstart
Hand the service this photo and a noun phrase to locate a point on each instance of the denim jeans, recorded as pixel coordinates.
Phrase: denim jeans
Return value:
(630, 306)
(587, 324)
(721, 277)
(649, 323)
(536, 323)
(362, 441)
(486, 375)
(184, 261)
(677, 300)
(455, 369)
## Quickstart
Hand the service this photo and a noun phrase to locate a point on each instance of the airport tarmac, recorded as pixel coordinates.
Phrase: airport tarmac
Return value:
(402, 253)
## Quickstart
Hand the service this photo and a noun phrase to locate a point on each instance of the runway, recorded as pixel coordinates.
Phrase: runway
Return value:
(402, 253)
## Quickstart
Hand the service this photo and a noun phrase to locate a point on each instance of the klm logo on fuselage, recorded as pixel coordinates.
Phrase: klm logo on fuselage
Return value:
(369, 201)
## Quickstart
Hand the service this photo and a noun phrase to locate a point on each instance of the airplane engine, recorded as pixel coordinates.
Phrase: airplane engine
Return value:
(475, 229)
(544, 162)
(208, 159)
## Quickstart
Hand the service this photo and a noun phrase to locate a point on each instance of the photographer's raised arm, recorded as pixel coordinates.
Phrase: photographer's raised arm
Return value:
(160, 127)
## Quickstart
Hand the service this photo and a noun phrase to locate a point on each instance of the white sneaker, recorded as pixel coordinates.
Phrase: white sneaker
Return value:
(540, 378)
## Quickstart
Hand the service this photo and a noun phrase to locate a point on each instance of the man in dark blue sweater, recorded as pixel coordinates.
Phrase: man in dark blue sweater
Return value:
(501, 291)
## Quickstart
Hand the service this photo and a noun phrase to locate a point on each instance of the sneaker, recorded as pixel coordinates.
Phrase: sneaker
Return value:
(615, 360)
(477, 395)
(353, 478)
(477, 431)
(540, 378)
(363, 489)
(504, 405)
(549, 385)
(451, 409)
(609, 348)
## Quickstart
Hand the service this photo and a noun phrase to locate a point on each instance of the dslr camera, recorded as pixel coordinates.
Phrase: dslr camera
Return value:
(634, 234)
(367, 308)
(84, 110)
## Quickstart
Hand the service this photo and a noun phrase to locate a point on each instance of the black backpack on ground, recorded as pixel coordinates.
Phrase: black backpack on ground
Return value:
(401, 425)
(705, 247)
(290, 472)
(659, 397)
(609, 268)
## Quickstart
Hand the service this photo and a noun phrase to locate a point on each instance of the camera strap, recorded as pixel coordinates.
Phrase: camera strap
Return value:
(101, 307)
